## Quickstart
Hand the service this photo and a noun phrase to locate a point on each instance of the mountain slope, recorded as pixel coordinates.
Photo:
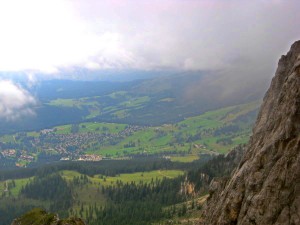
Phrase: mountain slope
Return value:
(41, 217)
(265, 188)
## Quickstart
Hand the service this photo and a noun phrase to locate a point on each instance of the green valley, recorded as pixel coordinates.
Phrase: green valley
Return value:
(213, 132)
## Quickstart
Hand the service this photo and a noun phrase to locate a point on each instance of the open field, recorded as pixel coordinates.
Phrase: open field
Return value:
(14, 189)
(186, 158)
(182, 137)
(146, 177)
(92, 127)
(87, 193)
(120, 105)
(213, 132)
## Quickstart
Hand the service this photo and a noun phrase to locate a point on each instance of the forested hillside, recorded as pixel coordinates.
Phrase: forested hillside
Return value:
(155, 101)
(139, 191)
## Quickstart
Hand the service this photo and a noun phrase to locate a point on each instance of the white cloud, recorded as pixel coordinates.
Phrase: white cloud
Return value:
(52, 35)
(46, 36)
(15, 102)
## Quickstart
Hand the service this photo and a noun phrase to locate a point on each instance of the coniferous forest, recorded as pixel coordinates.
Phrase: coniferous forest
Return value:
(135, 202)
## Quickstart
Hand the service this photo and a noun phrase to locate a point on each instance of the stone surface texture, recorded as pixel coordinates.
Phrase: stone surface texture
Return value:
(265, 188)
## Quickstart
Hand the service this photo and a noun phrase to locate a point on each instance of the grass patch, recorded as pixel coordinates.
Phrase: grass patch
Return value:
(146, 177)
(7, 187)
(185, 159)
(90, 193)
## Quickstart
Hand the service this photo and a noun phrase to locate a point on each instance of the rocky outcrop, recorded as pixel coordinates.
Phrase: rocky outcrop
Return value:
(41, 217)
(265, 188)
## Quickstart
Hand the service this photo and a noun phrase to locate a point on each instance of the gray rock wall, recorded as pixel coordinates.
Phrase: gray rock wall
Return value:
(265, 189)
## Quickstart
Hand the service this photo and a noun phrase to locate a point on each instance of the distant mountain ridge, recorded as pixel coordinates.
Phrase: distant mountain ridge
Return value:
(265, 187)
(156, 101)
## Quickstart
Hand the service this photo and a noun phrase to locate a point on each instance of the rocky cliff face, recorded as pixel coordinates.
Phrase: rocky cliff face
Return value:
(265, 188)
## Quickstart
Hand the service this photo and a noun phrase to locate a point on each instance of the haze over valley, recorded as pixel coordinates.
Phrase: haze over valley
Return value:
(147, 112)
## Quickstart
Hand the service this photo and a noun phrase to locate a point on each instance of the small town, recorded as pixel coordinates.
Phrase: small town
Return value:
(63, 147)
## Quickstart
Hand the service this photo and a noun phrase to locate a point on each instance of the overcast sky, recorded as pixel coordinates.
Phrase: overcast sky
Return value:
(241, 40)
(51, 35)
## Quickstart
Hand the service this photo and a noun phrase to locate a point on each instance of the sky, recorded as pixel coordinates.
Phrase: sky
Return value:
(236, 38)
(51, 35)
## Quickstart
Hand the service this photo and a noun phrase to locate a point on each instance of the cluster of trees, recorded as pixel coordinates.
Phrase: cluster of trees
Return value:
(229, 129)
(105, 167)
(126, 203)
(52, 188)
(6, 162)
(164, 191)
(219, 166)
(12, 208)
(225, 141)
(139, 203)
(130, 144)
(248, 117)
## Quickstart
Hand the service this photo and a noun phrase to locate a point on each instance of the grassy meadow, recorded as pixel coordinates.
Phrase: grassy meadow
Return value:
(213, 132)
(88, 193)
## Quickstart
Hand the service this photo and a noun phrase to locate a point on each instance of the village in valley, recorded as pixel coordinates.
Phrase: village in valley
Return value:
(50, 145)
